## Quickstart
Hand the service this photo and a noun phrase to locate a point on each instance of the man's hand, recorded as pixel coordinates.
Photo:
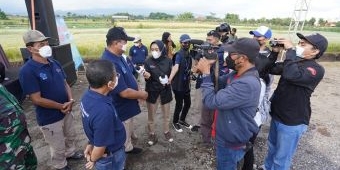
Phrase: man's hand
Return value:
(67, 107)
(204, 65)
(87, 155)
(144, 95)
(286, 43)
(89, 165)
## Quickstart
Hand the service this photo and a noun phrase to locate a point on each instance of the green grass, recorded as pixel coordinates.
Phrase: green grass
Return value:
(90, 40)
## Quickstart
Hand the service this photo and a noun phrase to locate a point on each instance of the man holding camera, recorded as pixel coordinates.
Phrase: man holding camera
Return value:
(290, 107)
(224, 31)
(236, 102)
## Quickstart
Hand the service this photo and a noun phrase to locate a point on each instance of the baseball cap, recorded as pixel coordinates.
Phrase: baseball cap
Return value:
(137, 38)
(118, 33)
(247, 46)
(317, 40)
(262, 31)
(34, 36)
(184, 38)
(214, 33)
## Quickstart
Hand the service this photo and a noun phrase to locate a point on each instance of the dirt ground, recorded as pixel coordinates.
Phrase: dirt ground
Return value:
(318, 149)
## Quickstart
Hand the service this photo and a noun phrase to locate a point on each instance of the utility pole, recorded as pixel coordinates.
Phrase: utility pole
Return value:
(298, 18)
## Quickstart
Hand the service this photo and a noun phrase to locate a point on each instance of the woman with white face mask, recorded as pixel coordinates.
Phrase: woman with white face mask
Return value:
(157, 71)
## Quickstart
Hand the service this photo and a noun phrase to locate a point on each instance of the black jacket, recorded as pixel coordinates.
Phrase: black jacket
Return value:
(291, 99)
(158, 67)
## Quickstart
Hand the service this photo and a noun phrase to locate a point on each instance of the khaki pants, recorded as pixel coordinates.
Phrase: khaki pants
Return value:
(60, 137)
(128, 124)
(151, 115)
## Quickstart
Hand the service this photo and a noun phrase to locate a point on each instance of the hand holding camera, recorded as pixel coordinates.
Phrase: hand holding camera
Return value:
(140, 69)
(278, 43)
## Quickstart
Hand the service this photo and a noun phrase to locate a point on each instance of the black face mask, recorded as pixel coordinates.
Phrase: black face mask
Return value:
(230, 63)
(224, 38)
(186, 47)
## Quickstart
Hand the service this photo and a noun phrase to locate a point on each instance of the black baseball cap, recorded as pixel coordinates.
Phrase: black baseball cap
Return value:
(117, 33)
(247, 46)
(214, 33)
(317, 40)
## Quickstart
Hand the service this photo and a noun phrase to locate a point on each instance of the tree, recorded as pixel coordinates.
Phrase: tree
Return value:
(322, 22)
(160, 15)
(3, 15)
(186, 16)
(232, 18)
(311, 21)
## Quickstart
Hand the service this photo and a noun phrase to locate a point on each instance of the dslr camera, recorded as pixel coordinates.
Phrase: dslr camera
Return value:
(275, 43)
(204, 49)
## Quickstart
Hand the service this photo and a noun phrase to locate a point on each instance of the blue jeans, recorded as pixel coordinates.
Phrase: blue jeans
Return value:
(228, 158)
(114, 161)
(282, 144)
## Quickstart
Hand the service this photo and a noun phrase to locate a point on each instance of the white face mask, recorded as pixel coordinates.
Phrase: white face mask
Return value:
(115, 85)
(45, 51)
(124, 47)
(299, 51)
(155, 54)
(136, 44)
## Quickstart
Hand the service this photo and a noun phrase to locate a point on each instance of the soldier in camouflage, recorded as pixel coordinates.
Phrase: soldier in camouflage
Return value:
(16, 151)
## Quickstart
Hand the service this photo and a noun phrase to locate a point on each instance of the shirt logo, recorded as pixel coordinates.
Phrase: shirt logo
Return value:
(43, 76)
(311, 70)
(134, 51)
(58, 70)
(152, 66)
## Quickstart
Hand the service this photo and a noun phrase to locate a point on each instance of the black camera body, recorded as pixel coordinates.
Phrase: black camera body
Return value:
(205, 49)
(275, 43)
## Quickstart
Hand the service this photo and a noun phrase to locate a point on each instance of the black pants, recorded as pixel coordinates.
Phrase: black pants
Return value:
(248, 159)
(180, 97)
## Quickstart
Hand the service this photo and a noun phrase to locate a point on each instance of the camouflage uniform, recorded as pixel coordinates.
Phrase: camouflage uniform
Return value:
(15, 149)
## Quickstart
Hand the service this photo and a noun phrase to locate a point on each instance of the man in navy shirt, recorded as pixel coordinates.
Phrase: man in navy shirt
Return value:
(126, 94)
(138, 52)
(43, 79)
(99, 116)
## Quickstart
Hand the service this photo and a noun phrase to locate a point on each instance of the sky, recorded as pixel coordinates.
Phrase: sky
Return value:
(326, 9)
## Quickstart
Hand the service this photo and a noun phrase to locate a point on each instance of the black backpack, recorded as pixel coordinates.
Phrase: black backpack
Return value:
(2, 72)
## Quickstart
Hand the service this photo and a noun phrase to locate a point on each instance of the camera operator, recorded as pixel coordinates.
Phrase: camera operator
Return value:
(263, 63)
(290, 104)
(236, 102)
(180, 82)
(224, 30)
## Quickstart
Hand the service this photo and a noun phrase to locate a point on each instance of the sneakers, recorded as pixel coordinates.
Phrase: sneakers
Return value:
(152, 139)
(185, 124)
(177, 127)
(168, 136)
(135, 150)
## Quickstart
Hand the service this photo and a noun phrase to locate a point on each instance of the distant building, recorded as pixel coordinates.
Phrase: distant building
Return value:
(119, 17)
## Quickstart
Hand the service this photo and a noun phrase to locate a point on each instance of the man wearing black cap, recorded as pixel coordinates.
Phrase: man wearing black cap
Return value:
(290, 107)
(126, 94)
(236, 102)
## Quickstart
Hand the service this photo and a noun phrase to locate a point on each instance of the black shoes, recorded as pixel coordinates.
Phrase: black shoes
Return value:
(177, 127)
(185, 124)
(135, 150)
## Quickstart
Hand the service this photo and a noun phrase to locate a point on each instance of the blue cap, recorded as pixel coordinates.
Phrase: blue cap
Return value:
(317, 40)
(184, 38)
(262, 31)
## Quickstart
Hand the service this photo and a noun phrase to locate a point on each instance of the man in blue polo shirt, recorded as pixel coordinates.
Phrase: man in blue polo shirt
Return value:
(138, 52)
(43, 79)
(126, 94)
(100, 116)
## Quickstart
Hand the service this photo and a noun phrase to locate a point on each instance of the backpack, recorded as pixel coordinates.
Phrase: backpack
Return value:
(262, 113)
(2, 72)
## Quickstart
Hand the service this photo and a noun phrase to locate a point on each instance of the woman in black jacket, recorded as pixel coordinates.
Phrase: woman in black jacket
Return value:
(157, 71)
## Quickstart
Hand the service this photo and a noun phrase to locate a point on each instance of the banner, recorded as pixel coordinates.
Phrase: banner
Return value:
(65, 37)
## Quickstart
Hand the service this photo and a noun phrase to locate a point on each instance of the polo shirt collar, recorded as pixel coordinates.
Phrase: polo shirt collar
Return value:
(37, 64)
(99, 97)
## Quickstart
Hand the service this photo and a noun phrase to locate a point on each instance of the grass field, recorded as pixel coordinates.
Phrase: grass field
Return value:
(91, 41)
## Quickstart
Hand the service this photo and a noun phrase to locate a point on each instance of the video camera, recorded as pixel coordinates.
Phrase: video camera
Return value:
(205, 49)
(275, 43)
